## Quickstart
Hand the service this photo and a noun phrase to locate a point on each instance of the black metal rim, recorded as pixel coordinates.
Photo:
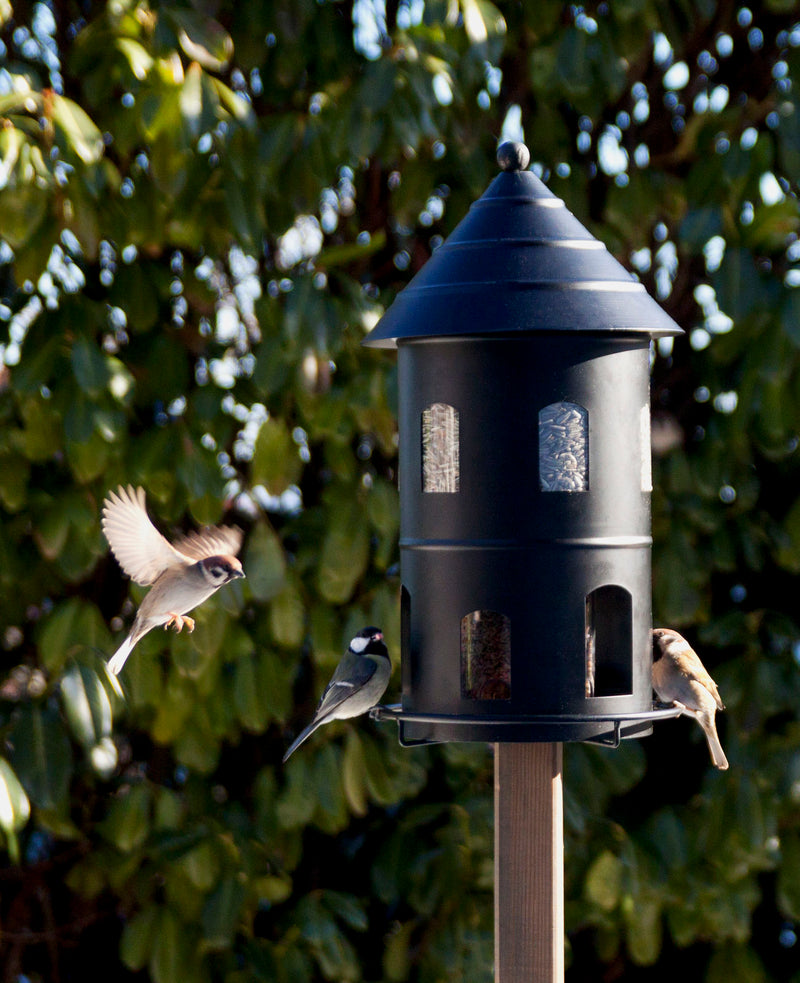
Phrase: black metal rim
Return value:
(395, 712)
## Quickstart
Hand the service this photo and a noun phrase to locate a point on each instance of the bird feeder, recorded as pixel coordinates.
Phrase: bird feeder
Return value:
(525, 478)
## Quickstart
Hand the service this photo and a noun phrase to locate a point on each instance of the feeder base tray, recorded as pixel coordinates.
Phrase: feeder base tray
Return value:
(608, 730)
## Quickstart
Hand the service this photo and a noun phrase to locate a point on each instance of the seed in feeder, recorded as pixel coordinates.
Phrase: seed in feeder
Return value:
(486, 656)
(440, 448)
(563, 438)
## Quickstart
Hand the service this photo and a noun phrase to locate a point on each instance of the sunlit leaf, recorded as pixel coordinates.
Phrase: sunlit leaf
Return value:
(82, 135)
(14, 808)
(87, 705)
(202, 38)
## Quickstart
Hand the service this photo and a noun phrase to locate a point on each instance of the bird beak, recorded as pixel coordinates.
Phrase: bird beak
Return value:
(238, 573)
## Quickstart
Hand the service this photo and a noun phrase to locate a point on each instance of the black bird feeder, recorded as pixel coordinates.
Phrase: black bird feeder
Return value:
(524, 417)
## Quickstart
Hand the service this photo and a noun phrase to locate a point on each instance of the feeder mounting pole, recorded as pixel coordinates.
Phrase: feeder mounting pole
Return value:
(528, 864)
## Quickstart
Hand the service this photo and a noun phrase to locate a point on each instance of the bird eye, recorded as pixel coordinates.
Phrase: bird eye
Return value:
(217, 572)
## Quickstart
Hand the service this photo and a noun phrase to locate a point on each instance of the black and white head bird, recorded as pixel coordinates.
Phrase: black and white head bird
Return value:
(680, 677)
(357, 684)
(183, 575)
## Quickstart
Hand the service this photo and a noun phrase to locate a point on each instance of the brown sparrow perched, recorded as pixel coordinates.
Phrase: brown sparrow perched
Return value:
(183, 575)
(680, 677)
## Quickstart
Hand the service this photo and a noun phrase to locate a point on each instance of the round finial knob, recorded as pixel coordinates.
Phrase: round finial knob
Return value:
(513, 156)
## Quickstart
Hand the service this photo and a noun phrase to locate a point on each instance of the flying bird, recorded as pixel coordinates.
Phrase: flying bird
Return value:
(358, 682)
(680, 677)
(182, 575)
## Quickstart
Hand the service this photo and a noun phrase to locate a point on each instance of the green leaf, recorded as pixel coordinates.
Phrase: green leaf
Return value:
(202, 38)
(42, 434)
(73, 625)
(221, 913)
(86, 704)
(41, 755)
(136, 293)
(88, 460)
(194, 111)
(790, 315)
(14, 476)
(643, 922)
(82, 136)
(276, 462)
(298, 801)
(138, 938)
(603, 883)
(22, 211)
(128, 821)
(788, 882)
(383, 507)
(201, 866)
(332, 805)
(174, 955)
(347, 909)
(136, 55)
(397, 957)
(344, 554)
(89, 366)
(265, 563)
(378, 781)
(250, 705)
(15, 809)
(735, 964)
(481, 20)
(354, 774)
(275, 679)
(287, 617)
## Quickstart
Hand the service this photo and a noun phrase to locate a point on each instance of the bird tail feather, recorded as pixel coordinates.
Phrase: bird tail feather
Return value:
(709, 726)
(302, 736)
(717, 754)
(118, 659)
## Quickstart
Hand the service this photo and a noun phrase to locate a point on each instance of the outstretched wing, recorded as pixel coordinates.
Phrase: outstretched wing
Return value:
(139, 548)
(211, 541)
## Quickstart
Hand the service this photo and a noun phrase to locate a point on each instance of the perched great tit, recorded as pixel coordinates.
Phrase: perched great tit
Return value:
(359, 681)
(680, 677)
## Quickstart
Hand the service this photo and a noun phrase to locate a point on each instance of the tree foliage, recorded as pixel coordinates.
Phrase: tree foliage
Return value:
(203, 208)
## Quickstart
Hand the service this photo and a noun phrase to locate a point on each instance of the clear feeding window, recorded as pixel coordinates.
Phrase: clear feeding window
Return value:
(563, 448)
(486, 656)
(609, 642)
(440, 448)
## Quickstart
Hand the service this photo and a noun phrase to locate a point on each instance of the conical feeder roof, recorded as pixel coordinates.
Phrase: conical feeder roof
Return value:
(520, 262)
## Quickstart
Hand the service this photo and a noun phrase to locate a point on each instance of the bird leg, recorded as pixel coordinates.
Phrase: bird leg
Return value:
(179, 621)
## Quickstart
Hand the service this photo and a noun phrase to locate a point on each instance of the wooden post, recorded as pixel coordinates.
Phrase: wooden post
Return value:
(528, 864)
